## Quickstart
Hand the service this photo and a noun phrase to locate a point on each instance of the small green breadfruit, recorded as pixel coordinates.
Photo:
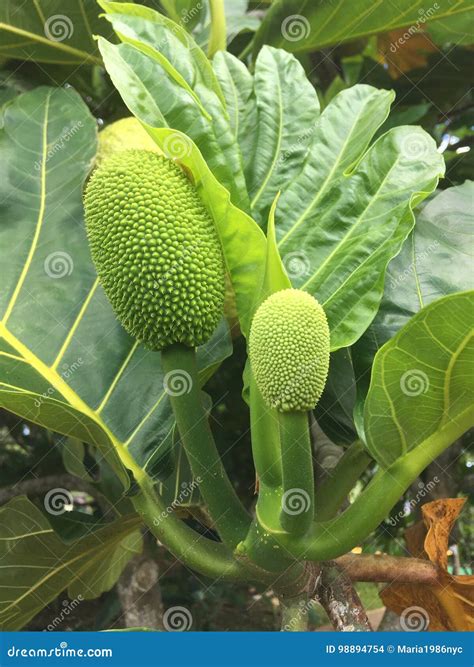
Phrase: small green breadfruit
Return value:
(289, 350)
(156, 249)
(124, 134)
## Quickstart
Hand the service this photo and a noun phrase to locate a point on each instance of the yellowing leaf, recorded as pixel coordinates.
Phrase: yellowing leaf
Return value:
(403, 50)
(448, 605)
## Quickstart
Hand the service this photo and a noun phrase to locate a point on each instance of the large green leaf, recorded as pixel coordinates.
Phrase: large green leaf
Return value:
(304, 25)
(347, 213)
(37, 566)
(273, 114)
(287, 110)
(334, 411)
(436, 260)
(65, 361)
(422, 385)
(50, 31)
(455, 29)
(166, 80)
(237, 86)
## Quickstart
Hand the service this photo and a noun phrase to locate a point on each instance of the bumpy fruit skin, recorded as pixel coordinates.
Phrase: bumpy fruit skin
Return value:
(124, 134)
(156, 249)
(289, 350)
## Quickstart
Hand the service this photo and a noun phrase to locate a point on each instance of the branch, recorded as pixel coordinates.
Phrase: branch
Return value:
(38, 486)
(339, 598)
(366, 567)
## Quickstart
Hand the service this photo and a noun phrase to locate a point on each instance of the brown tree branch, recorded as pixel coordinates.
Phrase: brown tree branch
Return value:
(38, 486)
(383, 568)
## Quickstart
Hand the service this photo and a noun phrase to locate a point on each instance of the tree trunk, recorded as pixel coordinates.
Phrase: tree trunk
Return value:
(139, 593)
(340, 600)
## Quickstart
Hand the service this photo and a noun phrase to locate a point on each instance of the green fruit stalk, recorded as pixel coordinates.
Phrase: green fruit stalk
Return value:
(156, 249)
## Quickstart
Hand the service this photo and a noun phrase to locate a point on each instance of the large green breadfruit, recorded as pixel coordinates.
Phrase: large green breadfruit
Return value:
(155, 248)
(289, 350)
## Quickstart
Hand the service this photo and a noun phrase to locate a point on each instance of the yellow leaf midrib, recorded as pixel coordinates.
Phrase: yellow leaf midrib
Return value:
(60, 46)
(58, 383)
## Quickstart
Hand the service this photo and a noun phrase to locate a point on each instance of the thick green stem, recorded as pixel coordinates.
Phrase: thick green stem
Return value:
(330, 539)
(218, 34)
(294, 613)
(225, 508)
(297, 506)
(335, 489)
(210, 558)
(265, 439)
